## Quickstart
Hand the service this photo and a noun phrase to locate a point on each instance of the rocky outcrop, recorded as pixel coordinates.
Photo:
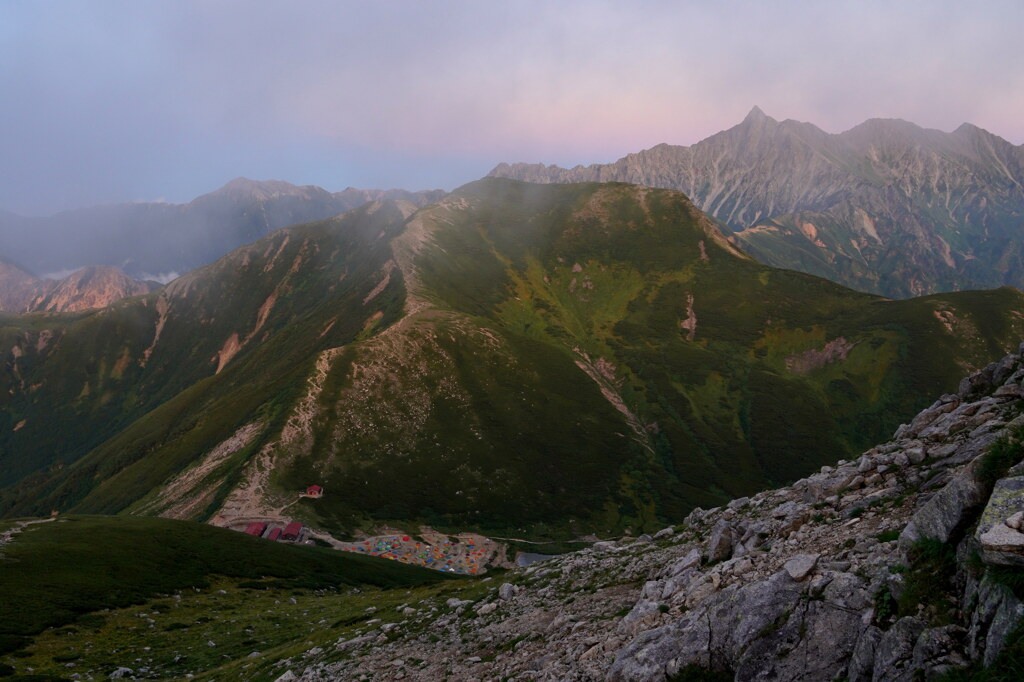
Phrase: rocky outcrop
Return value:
(999, 530)
(814, 581)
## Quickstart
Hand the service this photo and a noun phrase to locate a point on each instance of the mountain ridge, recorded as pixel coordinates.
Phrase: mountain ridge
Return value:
(500, 360)
(89, 287)
(151, 240)
(886, 206)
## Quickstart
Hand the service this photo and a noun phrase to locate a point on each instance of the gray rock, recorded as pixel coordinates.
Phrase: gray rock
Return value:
(800, 566)
(695, 516)
(895, 651)
(942, 451)
(691, 559)
(862, 661)
(720, 543)
(787, 509)
(738, 502)
(664, 533)
(711, 634)
(1000, 542)
(946, 510)
(995, 614)
(355, 642)
(644, 612)
(976, 384)
(507, 591)
(938, 649)
(122, 672)
(915, 455)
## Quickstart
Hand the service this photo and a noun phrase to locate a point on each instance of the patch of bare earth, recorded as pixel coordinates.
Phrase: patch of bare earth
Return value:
(836, 349)
(603, 374)
(253, 500)
(689, 325)
(186, 495)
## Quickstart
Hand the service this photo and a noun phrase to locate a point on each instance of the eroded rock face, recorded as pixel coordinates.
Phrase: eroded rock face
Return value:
(801, 198)
(92, 287)
(791, 584)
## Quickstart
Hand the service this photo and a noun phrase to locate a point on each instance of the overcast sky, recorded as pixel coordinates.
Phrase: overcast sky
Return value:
(119, 101)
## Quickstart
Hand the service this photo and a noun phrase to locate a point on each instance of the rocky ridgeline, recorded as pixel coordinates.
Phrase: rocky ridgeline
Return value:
(838, 576)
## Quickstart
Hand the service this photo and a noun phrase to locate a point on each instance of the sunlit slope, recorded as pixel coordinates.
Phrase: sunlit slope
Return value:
(515, 358)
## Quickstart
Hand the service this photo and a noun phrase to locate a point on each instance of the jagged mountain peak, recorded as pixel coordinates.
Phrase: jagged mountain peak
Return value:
(836, 205)
(756, 114)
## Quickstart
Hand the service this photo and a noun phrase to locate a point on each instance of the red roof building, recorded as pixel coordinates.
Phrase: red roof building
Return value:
(292, 531)
(274, 534)
(314, 491)
(256, 528)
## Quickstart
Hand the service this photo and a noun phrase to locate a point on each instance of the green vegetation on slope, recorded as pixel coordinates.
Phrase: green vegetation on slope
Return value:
(590, 357)
(55, 572)
(288, 297)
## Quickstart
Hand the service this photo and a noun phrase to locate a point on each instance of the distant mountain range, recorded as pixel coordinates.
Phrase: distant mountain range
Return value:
(89, 287)
(161, 240)
(886, 207)
(531, 359)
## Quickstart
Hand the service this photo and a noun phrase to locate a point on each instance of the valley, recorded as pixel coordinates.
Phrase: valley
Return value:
(518, 373)
(739, 398)
(457, 366)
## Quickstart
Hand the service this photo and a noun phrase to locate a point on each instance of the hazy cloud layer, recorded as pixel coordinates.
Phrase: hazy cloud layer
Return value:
(116, 101)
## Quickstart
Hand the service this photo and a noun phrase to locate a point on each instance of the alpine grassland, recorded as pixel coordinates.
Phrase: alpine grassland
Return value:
(116, 589)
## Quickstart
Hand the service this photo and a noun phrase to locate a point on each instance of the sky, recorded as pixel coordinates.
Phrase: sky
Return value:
(104, 101)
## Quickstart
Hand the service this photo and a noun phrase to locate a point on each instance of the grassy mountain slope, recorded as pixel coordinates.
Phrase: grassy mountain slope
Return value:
(200, 341)
(91, 575)
(515, 358)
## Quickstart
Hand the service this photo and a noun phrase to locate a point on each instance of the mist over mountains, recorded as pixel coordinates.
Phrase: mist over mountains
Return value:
(886, 207)
(159, 241)
(582, 357)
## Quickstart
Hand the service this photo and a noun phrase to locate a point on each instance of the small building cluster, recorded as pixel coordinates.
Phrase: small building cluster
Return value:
(293, 532)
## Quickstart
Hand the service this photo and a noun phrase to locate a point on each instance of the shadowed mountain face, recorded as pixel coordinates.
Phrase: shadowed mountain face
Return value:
(886, 207)
(161, 241)
(527, 358)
